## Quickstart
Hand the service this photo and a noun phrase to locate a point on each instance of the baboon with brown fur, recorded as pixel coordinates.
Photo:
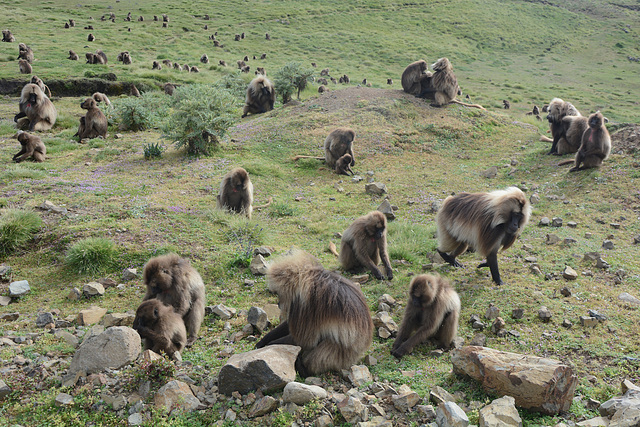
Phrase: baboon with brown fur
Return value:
(558, 111)
(32, 146)
(161, 328)
(96, 58)
(204, 59)
(246, 58)
(322, 89)
(91, 37)
(222, 63)
(260, 70)
(267, 36)
(506, 104)
(389, 81)
(413, 75)
(177, 66)
(156, 66)
(38, 81)
(237, 37)
(25, 52)
(173, 281)
(442, 85)
(126, 58)
(165, 17)
(236, 192)
(94, 123)
(324, 313)
(186, 68)
(194, 69)
(169, 89)
(73, 56)
(596, 144)
(343, 165)
(364, 244)
(322, 81)
(263, 56)
(101, 97)
(7, 37)
(338, 143)
(24, 66)
(72, 23)
(37, 112)
(167, 62)
(486, 222)
(433, 310)
(134, 91)
(245, 69)
(260, 96)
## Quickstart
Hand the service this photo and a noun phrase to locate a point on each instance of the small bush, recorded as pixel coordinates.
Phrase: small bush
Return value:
(247, 238)
(141, 113)
(153, 150)
(279, 210)
(201, 116)
(17, 227)
(234, 84)
(291, 78)
(92, 255)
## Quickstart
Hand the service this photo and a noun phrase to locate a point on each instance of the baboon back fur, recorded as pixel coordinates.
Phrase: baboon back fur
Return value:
(558, 111)
(160, 327)
(338, 143)
(412, 77)
(260, 96)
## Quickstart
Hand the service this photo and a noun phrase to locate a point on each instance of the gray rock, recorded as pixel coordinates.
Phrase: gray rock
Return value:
(438, 395)
(301, 394)
(263, 406)
(258, 266)
(359, 375)
(262, 250)
(223, 312)
(492, 312)
(588, 321)
(93, 289)
(258, 318)
(405, 401)
(67, 337)
(552, 239)
(479, 340)
(5, 272)
(44, 319)
(265, 369)
(387, 299)
(517, 313)
(323, 421)
(498, 325)
(569, 273)
(176, 395)
(272, 310)
(135, 419)
(501, 412)
(385, 208)
(4, 301)
(64, 400)
(74, 294)
(384, 320)
(556, 222)
(565, 292)
(5, 390)
(356, 178)
(449, 414)
(544, 221)
(572, 224)
(544, 314)
(113, 348)
(9, 317)
(427, 411)
(118, 319)
(535, 198)
(627, 297)
(19, 288)
(384, 333)
(49, 206)
(129, 274)
(352, 409)
(569, 241)
(600, 263)
(478, 325)
(490, 173)
(375, 188)
(608, 244)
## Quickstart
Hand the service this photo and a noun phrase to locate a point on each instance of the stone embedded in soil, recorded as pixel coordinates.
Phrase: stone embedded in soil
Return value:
(608, 244)
(5, 390)
(359, 375)
(552, 239)
(258, 318)
(258, 265)
(565, 292)
(405, 401)
(263, 406)
(489, 173)
(93, 289)
(385, 208)
(492, 312)
(588, 321)
(384, 320)
(352, 409)
(9, 317)
(44, 319)
(556, 222)
(176, 395)
(479, 340)
(498, 325)
(375, 188)
(544, 314)
(74, 294)
(569, 273)
(566, 323)
(64, 400)
(517, 313)
(91, 315)
(113, 348)
(438, 395)
(18, 288)
(222, 311)
(544, 221)
(129, 274)
(301, 394)
(627, 297)
(501, 412)
(448, 414)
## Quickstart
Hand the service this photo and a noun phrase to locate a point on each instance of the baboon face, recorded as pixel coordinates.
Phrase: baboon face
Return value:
(556, 110)
(146, 315)
(376, 226)
(88, 104)
(33, 99)
(517, 214)
(596, 120)
(239, 181)
(159, 277)
(423, 290)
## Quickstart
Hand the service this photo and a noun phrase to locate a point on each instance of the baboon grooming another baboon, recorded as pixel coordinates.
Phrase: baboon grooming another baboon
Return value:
(173, 281)
(567, 126)
(25, 52)
(413, 75)
(38, 81)
(260, 96)
(94, 123)
(37, 112)
(324, 313)
(442, 85)
(343, 165)
(236, 192)
(338, 143)
(160, 327)
(73, 56)
(7, 36)
(596, 144)
(24, 66)
(32, 146)
(487, 222)
(433, 310)
(101, 97)
(364, 244)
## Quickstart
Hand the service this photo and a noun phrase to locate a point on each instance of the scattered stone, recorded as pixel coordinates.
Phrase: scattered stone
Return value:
(627, 297)
(569, 273)
(602, 264)
(356, 178)
(263, 406)
(323, 421)
(598, 316)
(19, 288)
(387, 210)
(4, 301)
(536, 383)
(627, 385)
(230, 415)
(608, 244)
(91, 316)
(405, 401)
(64, 400)
(93, 289)
(498, 325)
(223, 312)
(74, 294)
(438, 395)
(5, 390)
(387, 299)
(359, 375)
(572, 224)
(588, 321)
(449, 414)
(384, 320)
(49, 206)
(176, 395)
(113, 348)
(262, 250)
(258, 318)
(517, 313)
(492, 312)
(531, 259)
(108, 283)
(535, 269)
(265, 369)
(5, 272)
(352, 409)
(544, 221)
(490, 173)
(552, 239)
(375, 188)
(479, 340)
(129, 274)
(10, 317)
(595, 422)
(118, 319)
(427, 411)
(301, 394)
(384, 333)
(258, 265)
(44, 319)
(556, 222)
(565, 292)
(593, 404)
(535, 198)
(478, 325)
(501, 412)
(566, 323)
(569, 241)
(544, 314)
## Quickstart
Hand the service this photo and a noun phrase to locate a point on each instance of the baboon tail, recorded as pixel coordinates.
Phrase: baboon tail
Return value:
(468, 105)
(333, 249)
(265, 205)
(307, 157)
(566, 162)
(545, 139)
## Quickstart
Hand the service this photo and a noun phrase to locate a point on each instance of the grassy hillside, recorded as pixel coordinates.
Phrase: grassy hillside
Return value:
(519, 51)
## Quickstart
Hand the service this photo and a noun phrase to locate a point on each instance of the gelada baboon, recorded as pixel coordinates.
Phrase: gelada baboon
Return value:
(126, 58)
(101, 97)
(167, 62)
(38, 81)
(120, 55)
(7, 36)
(37, 112)
(433, 310)
(236, 192)
(260, 96)
(173, 281)
(343, 165)
(73, 56)
(72, 23)
(322, 89)
(194, 69)
(324, 72)
(389, 81)
(96, 58)
(324, 313)
(161, 328)
(94, 123)
(364, 244)
(338, 143)
(134, 91)
(186, 68)
(267, 36)
(413, 75)
(25, 52)
(156, 66)
(169, 88)
(177, 66)
(91, 37)
(222, 63)
(204, 59)
(506, 104)
(486, 222)
(596, 144)
(32, 146)
(442, 85)
(558, 111)
(24, 66)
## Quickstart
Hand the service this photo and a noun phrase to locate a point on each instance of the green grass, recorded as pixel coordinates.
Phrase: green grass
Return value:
(91, 256)
(17, 227)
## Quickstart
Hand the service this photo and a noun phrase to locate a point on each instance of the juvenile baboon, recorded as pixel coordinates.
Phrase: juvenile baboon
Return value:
(267, 36)
(204, 59)
(389, 81)
(558, 110)
(128, 17)
(338, 143)
(240, 63)
(413, 75)
(177, 66)
(140, 18)
(91, 37)
(212, 37)
(236, 192)
(126, 58)
(73, 56)
(536, 110)
(346, 79)
(32, 146)
(165, 25)
(155, 18)
(222, 63)
(24, 66)
(260, 70)
(364, 244)
(25, 52)
(7, 37)
(66, 25)
(333, 80)
(72, 23)
(324, 72)
(324, 313)
(596, 144)
(94, 123)
(134, 91)
(169, 88)
(96, 58)
(433, 310)
(101, 97)
(263, 56)
(545, 108)
(364, 82)
(38, 81)
(506, 104)
(160, 327)
(314, 65)
(322, 89)
(206, 17)
(167, 62)
(343, 165)
(37, 112)
(242, 36)
(156, 66)
(260, 96)
(486, 222)
(216, 43)
(103, 18)
(237, 37)
(173, 281)
(194, 69)
(246, 58)
(206, 27)
(186, 68)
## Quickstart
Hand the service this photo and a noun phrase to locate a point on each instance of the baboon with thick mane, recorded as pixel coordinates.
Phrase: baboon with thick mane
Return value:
(236, 192)
(126, 58)
(204, 58)
(94, 123)
(173, 281)
(486, 222)
(324, 313)
(413, 75)
(24, 66)
(161, 328)
(25, 52)
(32, 146)
(558, 111)
(364, 244)
(596, 144)
(37, 112)
(433, 310)
(101, 97)
(260, 96)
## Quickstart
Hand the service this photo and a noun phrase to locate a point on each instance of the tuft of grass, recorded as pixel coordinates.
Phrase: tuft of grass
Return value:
(279, 210)
(153, 149)
(17, 227)
(246, 237)
(17, 171)
(92, 255)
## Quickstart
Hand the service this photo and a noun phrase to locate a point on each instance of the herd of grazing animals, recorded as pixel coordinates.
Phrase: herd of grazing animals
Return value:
(323, 312)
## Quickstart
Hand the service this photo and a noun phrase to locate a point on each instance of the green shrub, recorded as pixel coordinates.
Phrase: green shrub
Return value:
(290, 78)
(92, 255)
(201, 116)
(246, 237)
(17, 227)
(141, 113)
(234, 84)
(153, 150)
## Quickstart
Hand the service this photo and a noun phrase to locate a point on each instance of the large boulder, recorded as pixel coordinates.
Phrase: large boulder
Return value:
(114, 348)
